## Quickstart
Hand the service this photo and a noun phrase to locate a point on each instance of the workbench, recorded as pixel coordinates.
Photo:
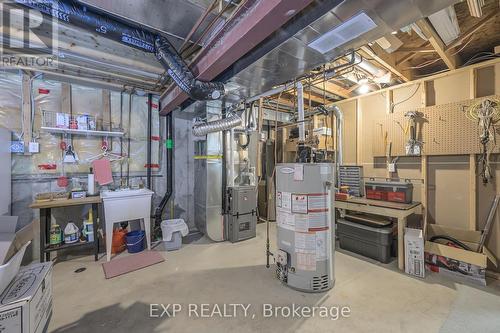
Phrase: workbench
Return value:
(45, 208)
(400, 211)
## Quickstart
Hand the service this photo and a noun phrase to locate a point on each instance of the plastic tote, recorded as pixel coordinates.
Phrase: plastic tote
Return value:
(172, 232)
(135, 241)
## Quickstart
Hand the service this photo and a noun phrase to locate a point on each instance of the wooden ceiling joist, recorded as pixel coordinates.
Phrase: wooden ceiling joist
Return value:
(471, 30)
(410, 55)
(334, 89)
(387, 60)
(451, 60)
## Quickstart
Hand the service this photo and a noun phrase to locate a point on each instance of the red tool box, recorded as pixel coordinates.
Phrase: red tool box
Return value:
(389, 191)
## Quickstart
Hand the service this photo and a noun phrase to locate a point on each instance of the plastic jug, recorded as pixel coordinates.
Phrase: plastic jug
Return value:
(71, 233)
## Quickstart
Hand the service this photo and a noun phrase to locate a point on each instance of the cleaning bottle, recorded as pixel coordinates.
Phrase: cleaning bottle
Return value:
(88, 227)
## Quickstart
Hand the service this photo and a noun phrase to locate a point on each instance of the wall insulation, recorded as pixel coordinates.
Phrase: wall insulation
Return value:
(29, 176)
(84, 100)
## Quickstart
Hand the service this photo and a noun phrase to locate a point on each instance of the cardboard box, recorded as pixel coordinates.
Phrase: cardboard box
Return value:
(455, 262)
(26, 305)
(414, 252)
(12, 247)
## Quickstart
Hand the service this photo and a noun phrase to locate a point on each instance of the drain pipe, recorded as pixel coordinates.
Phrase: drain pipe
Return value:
(120, 31)
(169, 143)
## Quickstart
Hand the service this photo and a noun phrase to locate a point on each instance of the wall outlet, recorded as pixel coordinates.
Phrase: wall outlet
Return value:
(34, 147)
(17, 147)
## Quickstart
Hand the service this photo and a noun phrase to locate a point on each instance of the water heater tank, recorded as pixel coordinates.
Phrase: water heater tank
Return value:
(305, 219)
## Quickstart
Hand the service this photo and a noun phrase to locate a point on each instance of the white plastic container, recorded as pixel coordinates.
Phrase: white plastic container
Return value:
(126, 205)
(172, 232)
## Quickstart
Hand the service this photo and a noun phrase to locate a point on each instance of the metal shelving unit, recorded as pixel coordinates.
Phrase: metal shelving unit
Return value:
(55, 130)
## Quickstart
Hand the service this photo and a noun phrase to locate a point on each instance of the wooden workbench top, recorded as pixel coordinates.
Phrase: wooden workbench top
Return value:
(380, 203)
(66, 202)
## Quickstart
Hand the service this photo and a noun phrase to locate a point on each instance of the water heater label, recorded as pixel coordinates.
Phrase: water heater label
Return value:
(301, 223)
(306, 261)
(305, 242)
(298, 173)
(317, 220)
(317, 202)
(286, 201)
(285, 220)
(299, 203)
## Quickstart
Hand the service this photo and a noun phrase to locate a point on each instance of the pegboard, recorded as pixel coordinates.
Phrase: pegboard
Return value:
(444, 130)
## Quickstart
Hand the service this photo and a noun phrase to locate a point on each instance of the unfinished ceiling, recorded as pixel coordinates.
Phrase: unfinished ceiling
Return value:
(229, 41)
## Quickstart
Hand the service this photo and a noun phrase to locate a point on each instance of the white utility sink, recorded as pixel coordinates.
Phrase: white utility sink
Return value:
(126, 205)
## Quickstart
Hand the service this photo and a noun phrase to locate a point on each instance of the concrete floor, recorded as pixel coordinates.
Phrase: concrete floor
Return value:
(380, 298)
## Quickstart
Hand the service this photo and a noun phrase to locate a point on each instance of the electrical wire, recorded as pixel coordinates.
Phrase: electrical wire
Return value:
(486, 113)
(430, 62)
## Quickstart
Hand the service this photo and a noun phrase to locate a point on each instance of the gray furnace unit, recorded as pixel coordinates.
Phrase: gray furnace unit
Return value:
(305, 221)
(242, 213)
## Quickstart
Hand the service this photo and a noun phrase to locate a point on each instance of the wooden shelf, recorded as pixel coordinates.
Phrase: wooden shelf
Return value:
(48, 248)
(81, 132)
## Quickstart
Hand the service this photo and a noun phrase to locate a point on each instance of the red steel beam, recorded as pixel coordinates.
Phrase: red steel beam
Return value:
(254, 21)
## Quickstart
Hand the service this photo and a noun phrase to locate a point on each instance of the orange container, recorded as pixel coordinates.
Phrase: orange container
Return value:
(118, 245)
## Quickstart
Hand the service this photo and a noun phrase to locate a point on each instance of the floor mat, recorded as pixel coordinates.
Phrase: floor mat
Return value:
(131, 263)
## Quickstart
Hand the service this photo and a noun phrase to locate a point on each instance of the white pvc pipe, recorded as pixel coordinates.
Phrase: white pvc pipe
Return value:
(300, 104)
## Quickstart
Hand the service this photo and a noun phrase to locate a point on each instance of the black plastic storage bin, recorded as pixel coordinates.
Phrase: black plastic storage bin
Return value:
(368, 241)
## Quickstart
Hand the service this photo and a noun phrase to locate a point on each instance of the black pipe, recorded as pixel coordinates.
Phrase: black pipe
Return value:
(119, 30)
(150, 133)
(169, 166)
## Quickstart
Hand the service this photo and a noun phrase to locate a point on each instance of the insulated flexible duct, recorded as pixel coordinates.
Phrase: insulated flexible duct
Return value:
(201, 129)
(112, 28)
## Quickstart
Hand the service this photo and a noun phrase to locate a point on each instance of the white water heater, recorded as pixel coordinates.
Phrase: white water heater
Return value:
(305, 221)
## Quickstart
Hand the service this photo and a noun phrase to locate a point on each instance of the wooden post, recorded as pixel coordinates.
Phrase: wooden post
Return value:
(472, 86)
(389, 100)
(66, 98)
(472, 162)
(424, 194)
(472, 191)
(106, 108)
(424, 167)
(26, 110)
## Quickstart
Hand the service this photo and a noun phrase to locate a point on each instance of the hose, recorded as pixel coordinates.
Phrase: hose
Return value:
(203, 128)
(451, 239)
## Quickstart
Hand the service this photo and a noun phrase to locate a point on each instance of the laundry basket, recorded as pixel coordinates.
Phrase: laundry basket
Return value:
(172, 232)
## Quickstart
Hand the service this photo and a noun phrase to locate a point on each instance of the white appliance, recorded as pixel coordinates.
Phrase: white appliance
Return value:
(126, 205)
(305, 221)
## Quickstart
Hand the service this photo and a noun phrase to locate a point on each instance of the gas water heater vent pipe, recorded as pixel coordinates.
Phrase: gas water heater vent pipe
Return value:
(118, 30)
(300, 106)
(339, 121)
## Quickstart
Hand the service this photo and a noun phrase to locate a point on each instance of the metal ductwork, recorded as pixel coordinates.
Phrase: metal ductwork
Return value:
(117, 30)
(203, 128)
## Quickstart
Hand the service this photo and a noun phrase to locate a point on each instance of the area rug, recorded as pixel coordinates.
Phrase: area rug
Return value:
(131, 263)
